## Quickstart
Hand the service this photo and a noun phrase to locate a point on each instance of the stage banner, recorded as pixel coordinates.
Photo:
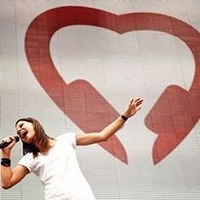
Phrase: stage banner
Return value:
(75, 65)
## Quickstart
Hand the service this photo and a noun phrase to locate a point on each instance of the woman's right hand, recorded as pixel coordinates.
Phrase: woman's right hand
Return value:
(7, 150)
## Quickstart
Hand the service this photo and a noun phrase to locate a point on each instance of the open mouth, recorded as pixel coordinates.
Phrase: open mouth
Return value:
(24, 134)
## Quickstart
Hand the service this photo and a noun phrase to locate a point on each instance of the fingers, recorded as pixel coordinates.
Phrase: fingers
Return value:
(133, 107)
(137, 103)
(7, 143)
(7, 139)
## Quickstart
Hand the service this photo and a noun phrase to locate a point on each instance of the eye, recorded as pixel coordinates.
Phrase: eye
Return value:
(20, 125)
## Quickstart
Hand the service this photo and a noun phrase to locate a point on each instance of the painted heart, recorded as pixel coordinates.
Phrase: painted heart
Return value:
(77, 99)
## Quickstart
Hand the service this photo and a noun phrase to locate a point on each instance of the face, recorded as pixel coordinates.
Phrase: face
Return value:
(25, 131)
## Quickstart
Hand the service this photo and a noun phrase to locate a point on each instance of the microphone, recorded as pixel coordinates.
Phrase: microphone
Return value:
(4, 144)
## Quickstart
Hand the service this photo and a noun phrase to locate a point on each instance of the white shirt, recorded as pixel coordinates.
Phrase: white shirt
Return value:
(59, 171)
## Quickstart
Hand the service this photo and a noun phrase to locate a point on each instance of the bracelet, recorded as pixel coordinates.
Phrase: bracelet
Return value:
(124, 117)
(6, 162)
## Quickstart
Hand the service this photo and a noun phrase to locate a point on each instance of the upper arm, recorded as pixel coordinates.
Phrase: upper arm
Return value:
(89, 138)
(18, 173)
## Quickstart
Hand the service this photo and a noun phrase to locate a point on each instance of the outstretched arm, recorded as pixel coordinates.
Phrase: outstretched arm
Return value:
(111, 129)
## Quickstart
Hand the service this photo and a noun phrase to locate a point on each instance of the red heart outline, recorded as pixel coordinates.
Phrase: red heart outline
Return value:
(81, 93)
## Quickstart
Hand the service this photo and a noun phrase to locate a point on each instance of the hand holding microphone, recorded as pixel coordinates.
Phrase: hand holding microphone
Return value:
(5, 143)
(5, 161)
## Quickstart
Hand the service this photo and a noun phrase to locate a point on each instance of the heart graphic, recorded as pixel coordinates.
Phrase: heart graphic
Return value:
(85, 106)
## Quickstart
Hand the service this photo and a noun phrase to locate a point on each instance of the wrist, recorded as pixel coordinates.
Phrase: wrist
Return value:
(6, 155)
(6, 162)
(124, 117)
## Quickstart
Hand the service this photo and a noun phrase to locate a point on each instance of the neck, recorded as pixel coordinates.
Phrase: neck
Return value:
(51, 143)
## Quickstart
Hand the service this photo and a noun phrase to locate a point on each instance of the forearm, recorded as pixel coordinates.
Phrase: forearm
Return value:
(6, 171)
(112, 128)
(6, 175)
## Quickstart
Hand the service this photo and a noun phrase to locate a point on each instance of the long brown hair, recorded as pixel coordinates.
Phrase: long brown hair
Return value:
(41, 138)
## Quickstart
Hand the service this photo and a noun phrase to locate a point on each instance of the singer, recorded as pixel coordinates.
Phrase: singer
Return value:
(54, 160)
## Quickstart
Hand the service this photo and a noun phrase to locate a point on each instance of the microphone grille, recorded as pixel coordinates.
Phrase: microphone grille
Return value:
(16, 138)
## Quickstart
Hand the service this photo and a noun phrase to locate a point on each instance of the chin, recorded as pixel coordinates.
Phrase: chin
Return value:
(26, 141)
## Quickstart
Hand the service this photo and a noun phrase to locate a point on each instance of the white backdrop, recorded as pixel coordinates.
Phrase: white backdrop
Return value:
(120, 66)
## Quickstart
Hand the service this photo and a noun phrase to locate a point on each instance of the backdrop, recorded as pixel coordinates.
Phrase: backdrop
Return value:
(75, 65)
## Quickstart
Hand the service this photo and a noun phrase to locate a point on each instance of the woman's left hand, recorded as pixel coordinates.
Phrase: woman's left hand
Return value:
(133, 107)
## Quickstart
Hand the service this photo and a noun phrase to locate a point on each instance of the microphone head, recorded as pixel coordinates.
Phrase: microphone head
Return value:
(16, 138)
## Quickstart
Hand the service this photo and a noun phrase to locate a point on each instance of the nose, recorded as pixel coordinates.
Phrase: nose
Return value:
(18, 131)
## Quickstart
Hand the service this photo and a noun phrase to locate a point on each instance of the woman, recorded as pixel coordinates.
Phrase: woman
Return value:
(54, 160)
